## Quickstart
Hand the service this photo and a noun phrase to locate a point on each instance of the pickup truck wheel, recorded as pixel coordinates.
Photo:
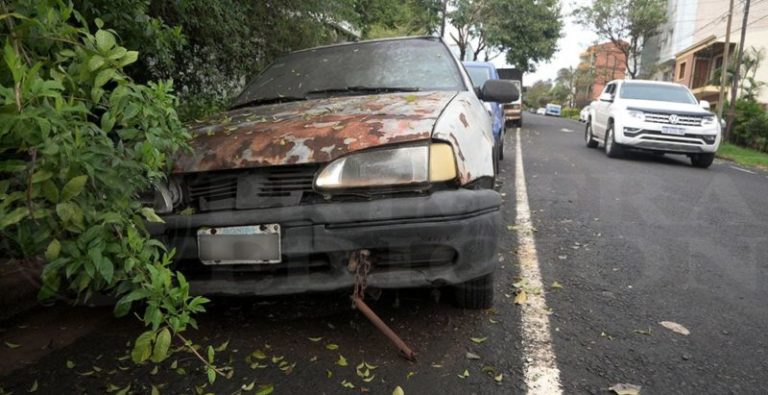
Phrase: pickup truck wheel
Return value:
(591, 142)
(475, 294)
(702, 161)
(612, 150)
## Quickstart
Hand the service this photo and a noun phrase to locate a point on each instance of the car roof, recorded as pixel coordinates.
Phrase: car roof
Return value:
(349, 43)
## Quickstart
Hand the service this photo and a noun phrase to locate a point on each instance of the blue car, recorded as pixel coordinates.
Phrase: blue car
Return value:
(479, 72)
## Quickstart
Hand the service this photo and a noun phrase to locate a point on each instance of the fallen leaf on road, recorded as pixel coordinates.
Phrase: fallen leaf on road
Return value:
(478, 340)
(258, 354)
(70, 364)
(499, 377)
(521, 297)
(342, 361)
(492, 321)
(437, 366)
(265, 389)
(463, 375)
(12, 345)
(369, 379)
(642, 332)
(33, 388)
(556, 285)
(124, 391)
(369, 366)
(332, 346)
(154, 391)
(409, 375)
(625, 389)
(248, 387)
(471, 355)
(562, 257)
(329, 373)
(347, 384)
(223, 346)
(315, 339)
(398, 391)
(675, 327)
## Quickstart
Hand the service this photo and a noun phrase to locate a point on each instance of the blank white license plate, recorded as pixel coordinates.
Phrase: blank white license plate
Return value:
(673, 130)
(239, 245)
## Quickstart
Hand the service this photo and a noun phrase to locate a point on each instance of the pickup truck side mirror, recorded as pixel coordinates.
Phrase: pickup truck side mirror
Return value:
(705, 105)
(499, 91)
(606, 97)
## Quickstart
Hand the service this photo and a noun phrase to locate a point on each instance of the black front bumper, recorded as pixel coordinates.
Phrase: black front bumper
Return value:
(445, 238)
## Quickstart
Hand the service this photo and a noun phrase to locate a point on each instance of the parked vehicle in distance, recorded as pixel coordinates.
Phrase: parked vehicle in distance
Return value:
(513, 112)
(553, 109)
(584, 114)
(378, 149)
(479, 72)
(653, 116)
(541, 111)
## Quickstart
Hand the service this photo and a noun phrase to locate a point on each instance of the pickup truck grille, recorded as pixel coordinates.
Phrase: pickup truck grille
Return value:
(682, 120)
(257, 188)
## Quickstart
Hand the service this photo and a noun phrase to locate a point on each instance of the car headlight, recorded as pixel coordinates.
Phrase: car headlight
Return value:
(708, 120)
(636, 114)
(390, 167)
(167, 196)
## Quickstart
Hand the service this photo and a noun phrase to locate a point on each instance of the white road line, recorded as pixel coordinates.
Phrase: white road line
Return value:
(744, 170)
(566, 130)
(539, 364)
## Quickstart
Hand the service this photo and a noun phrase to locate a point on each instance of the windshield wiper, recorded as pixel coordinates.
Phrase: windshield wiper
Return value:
(267, 100)
(365, 89)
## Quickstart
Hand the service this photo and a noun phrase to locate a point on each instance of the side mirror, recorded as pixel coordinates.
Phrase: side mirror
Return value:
(499, 91)
(606, 97)
(705, 105)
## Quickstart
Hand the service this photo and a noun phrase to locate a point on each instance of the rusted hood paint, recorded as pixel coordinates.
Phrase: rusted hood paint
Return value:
(313, 131)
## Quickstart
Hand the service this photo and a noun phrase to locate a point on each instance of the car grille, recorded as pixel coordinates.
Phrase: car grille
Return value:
(682, 120)
(258, 188)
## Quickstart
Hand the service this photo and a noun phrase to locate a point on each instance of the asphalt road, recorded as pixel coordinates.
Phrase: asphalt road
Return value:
(632, 242)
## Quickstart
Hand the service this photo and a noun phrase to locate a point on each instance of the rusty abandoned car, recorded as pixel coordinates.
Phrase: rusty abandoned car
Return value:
(381, 146)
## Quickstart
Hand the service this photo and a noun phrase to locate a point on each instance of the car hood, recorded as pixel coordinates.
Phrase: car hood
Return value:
(311, 131)
(666, 107)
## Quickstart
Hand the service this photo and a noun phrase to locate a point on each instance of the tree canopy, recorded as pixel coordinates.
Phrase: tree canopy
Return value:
(626, 23)
(525, 32)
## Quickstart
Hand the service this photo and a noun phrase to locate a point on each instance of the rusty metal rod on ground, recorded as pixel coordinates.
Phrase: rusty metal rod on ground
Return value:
(389, 333)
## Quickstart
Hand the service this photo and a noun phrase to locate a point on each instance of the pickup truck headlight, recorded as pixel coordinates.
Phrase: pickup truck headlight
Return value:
(395, 166)
(636, 114)
(708, 120)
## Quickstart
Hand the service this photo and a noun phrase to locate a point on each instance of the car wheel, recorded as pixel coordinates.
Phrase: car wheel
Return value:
(591, 142)
(475, 294)
(702, 160)
(612, 150)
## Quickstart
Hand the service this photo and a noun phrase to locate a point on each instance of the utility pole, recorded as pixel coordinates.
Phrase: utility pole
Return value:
(724, 67)
(445, 11)
(735, 84)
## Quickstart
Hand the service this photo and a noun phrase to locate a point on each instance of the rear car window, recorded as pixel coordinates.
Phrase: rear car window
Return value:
(418, 63)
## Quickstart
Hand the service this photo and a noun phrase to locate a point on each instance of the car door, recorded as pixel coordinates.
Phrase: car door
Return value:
(602, 111)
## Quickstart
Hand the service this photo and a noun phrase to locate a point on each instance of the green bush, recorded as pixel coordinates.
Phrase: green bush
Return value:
(750, 125)
(572, 113)
(79, 142)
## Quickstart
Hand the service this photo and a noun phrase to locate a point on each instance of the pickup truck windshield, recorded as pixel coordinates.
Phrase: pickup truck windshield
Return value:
(414, 64)
(478, 75)
(656, 92)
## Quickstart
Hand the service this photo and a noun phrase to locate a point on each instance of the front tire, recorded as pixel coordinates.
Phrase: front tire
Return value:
(475, 294)
(591, 142)
(612, 149)
(702, 161)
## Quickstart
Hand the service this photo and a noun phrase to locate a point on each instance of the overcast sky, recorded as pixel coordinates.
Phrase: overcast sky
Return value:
(574, 41)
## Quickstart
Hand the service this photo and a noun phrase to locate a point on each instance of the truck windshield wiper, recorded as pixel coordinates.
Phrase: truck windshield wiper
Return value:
(267, 100)
(365, 89)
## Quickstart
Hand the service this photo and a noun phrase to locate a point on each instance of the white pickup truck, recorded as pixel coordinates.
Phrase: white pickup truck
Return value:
(653, 116)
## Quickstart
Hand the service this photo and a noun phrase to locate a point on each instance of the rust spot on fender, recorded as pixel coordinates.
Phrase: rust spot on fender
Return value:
(463, 119)
(312, 131)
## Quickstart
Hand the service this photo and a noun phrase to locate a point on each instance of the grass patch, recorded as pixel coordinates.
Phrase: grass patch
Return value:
(743, 156)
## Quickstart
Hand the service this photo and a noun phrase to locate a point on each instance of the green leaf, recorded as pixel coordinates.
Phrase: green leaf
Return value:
(479, 340)
(12, 345)
(40, 176)
(142, 348)
(162, 344)
(33, 388)
(223, 346)
(211, 354)
(130, 57)
(14, 217)
(149, 214)
(70, 364)
(398, 391)
(104, 40)
(103, 77)
(211, 375)
(95, 62)
(342, 361)
(332, 346)
(53, 250)
(73, 188)
(124, 391)
(155, 391)
(265, 389)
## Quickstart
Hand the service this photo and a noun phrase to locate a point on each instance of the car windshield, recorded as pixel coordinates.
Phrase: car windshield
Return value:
(478, 75)
(416, 64)
(657, 92)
